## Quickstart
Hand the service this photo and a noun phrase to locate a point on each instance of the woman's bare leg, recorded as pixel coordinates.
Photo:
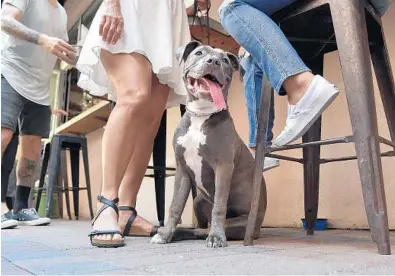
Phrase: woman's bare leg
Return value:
(137, 167)
(132, 77)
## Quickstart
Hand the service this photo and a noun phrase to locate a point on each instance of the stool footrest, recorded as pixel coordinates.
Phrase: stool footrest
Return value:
(326, 160)
(161, 168)
(63, 189)
(151, 175)
(69, 189)
(331, 141)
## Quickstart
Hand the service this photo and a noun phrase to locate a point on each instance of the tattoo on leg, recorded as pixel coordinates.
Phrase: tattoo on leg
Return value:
(26, 172)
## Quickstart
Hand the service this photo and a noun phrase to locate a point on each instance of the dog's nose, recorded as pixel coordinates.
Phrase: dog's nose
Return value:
(211, 60)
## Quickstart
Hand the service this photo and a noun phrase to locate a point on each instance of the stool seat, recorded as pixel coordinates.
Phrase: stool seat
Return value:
(354, 29)
(52, 160)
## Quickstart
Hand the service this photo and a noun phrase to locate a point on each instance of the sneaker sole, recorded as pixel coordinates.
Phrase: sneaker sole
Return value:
(35, 223)
(271, 166)
(329, 101)
(9, 224)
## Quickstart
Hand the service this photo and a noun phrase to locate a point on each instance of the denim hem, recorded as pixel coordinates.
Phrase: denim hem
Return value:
(281, 81)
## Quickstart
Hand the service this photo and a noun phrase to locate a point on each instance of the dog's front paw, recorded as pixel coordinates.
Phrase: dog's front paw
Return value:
(161, 238)
(216, 239)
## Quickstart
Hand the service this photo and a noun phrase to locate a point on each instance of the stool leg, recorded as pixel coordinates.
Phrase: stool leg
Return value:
(159, 159)
(311, 169)
(311, 158)
(53, 169)
(65, 181)
(75, 178)
(385, 80)
(43, 172)
(87, 174)
(259, 186)
(182, 109)
(352, 40)
(60, 190)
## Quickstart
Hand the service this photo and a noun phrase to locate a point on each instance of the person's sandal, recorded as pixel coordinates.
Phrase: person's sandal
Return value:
(128, 226)
(106, 243)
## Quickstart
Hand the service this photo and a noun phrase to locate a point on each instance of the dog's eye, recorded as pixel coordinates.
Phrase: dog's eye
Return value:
(225, 60)
(199, 53)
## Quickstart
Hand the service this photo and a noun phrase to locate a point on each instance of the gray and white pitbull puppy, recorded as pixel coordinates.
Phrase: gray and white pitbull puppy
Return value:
(210, 154)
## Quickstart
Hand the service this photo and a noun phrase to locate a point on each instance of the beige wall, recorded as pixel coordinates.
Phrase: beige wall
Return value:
(340, 189)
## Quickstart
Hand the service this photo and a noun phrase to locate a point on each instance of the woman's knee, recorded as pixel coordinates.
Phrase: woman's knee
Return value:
(134, 99)
(139, 104)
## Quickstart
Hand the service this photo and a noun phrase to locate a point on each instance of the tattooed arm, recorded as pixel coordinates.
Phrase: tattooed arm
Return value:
(10, 24)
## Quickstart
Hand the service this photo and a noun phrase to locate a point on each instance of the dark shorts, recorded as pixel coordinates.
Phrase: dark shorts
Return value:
(32, 118)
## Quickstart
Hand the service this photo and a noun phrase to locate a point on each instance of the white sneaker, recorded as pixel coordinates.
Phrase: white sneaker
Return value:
(7, 222)
(302, 116)
(270, 163)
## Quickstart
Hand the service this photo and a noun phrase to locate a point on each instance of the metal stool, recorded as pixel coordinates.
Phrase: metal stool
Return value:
(359, 36)
(52, 154)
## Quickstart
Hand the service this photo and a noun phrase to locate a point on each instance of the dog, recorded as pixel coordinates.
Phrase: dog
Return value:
(210, 154)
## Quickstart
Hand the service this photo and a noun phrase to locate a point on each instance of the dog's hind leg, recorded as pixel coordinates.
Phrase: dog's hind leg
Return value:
(235, 227)
(202, 208)
(234, 230)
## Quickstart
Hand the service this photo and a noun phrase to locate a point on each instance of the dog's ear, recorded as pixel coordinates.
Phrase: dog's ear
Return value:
(184, 51)
(234, 61)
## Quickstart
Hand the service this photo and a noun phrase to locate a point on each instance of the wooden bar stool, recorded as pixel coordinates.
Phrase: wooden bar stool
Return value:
(354, 29)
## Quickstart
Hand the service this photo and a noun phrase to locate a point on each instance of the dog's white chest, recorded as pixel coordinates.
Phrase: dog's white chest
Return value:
(191, 141)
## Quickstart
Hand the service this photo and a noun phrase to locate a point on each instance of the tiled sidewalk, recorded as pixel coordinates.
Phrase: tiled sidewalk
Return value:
(63, 248)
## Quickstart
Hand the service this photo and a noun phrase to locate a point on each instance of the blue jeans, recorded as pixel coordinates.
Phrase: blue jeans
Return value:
(252, 80)
(248, 22)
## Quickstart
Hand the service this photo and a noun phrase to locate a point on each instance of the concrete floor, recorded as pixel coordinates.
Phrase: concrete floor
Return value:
(63, 248)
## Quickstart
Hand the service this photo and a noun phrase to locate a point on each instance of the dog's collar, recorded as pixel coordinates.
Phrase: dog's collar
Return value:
(194, 114)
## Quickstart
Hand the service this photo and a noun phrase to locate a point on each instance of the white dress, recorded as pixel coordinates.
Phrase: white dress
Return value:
(153, 28)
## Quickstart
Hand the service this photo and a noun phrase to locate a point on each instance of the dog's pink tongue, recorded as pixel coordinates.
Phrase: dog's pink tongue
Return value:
(216, 93)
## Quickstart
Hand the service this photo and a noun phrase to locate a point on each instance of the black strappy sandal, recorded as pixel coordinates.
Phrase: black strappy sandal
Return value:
(128, 226)
(106, 243)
